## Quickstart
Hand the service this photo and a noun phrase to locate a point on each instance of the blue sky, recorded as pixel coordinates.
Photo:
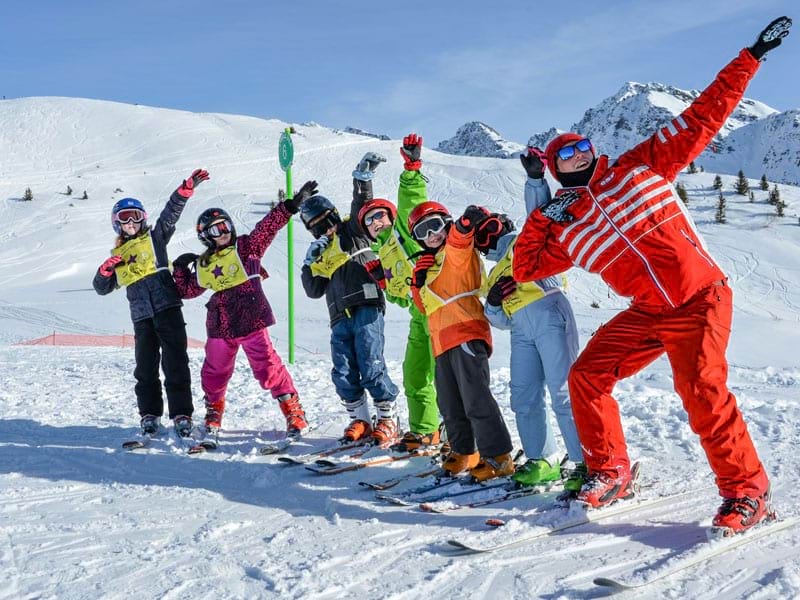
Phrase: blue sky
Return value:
(429, 67)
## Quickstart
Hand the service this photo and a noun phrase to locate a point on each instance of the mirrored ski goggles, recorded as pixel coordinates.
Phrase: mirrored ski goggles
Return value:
(130, 215)
(431, 226)
(568, 152)
(376, 215)
(219, 229)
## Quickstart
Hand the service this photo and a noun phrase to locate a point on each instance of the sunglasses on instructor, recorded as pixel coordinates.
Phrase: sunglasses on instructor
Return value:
(568, 152)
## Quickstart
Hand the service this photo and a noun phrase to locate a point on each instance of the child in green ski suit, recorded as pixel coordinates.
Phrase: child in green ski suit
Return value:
(398, 250)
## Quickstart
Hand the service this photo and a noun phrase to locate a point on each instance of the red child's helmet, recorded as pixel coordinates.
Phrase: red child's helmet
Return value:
(423, 210)
(371, 205)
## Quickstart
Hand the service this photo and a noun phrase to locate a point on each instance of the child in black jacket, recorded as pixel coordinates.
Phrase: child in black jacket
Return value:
(139, 262)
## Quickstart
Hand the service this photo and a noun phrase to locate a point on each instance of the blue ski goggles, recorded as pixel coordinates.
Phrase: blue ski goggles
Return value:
(568, 152)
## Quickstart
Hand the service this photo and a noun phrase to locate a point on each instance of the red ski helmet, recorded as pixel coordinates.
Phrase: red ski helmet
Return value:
(425, 209)
(371, 205)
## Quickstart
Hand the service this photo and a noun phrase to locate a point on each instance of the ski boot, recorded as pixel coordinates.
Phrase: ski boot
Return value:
(456, 463)
(295, 416)
(537, 471)
(357, 430)
(740, 514)
(150, 424)
(414, 441)
(214, 412)
(491, 467)
(385, 431)
(183, 425)
(603, 488)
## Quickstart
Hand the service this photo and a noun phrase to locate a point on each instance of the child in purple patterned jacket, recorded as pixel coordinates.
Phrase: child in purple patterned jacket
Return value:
(238, 312)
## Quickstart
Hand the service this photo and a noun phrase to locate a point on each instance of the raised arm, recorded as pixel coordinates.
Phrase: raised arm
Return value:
(165, 225)
(677, 144)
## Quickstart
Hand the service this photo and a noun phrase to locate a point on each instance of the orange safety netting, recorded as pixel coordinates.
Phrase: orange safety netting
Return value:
(72, 339)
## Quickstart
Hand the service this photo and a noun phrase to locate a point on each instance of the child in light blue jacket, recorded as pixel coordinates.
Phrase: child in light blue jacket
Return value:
(544, 344)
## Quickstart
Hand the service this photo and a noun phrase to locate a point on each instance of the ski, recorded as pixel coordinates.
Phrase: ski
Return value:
(574, 516)
(209, 441)
(409, 497)
(386, 484)
(446, 490)
(501, 494)
(338, 446)
(280, 446)
(142, 440)
(706, 550)
(370, 462)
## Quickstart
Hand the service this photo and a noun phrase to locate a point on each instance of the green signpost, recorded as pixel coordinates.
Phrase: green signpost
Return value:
(285, 158)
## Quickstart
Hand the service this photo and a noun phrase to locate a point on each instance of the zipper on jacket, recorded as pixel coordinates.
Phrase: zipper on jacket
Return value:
(632, 247)
(697, 249)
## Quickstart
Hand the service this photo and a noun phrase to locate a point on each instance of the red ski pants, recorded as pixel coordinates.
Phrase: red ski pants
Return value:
(694, 336)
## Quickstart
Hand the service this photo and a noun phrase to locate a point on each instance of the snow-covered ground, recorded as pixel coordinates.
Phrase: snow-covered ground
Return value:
(81, 518)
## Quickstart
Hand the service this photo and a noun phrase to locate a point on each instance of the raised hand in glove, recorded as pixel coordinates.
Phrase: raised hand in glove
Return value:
(304, 193)
(184, 260)
(534, 162)
(502, 289)
(196, 178)
(771, 37)
(315, 249)
(109, 264)
(411, 152)
(473, 216)
(365, 169)
(424, 262)
(375, 269)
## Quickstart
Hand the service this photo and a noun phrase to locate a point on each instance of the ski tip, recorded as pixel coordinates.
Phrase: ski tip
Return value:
(495, 522)
(610, 583)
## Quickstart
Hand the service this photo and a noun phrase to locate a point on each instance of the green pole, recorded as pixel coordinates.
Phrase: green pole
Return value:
(285, 158)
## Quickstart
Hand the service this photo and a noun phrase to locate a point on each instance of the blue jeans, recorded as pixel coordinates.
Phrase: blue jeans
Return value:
(357, 354)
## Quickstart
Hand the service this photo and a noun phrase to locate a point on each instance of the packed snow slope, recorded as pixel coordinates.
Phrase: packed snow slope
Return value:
(80, 518)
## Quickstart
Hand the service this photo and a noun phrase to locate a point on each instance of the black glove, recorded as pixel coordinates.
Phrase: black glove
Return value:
(424, 262)
(534, 162)
(293, 204)
(184, 260)
(502, 289)
(473, 216)
(362, 190)
(771, 37)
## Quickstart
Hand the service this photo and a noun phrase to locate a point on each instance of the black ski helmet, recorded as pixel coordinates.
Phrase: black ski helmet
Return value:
(208, 217)
(318, 215)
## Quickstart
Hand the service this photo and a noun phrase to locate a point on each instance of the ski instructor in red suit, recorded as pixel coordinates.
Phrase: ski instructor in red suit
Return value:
(624, 221)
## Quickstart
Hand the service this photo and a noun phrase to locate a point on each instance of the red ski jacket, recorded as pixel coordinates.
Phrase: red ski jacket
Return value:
(628, 225)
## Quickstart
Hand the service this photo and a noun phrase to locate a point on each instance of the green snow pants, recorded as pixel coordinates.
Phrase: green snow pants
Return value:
(418, 370)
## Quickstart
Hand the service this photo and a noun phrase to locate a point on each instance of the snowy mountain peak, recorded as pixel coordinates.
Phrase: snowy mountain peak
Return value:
(478, 139)
(638, 109)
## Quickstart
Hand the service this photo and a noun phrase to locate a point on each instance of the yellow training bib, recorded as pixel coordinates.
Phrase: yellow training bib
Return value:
(397, 267)
(138, 259)
(332, 258)
(223, 271)
(525, 293)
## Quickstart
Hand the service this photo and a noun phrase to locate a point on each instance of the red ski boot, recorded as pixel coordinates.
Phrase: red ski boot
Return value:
(740, 514)
(295, 416)
(601, 489)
